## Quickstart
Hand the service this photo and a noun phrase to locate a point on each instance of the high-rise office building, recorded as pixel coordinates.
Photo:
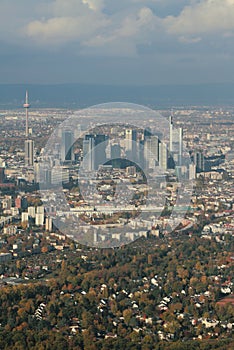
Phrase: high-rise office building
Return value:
(59, 175)
(147, 133)
(40, 209)
(39, 219)
(180, 151)
(29, 152)
(2, 175)
(141, 149)
(115, 155)
(67, 154)
(115, 151)
(24, 217)
(199, 161)
(171, 133)
(42, 174)
(130, 144)
(94, 151)
(176, 142)
(130, 137)
(192, 171)
(49, 224)
(100, 150)
(163, 155)
(32, 212)
(151, 151)
(88, 153)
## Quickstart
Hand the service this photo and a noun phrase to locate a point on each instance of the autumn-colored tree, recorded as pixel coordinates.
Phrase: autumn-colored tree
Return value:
(127, 314)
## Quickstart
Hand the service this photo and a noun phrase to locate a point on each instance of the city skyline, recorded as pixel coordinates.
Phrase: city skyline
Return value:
(116, 174)
(156, 290)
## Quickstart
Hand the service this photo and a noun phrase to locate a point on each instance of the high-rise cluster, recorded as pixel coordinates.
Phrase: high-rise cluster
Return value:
(119, 148)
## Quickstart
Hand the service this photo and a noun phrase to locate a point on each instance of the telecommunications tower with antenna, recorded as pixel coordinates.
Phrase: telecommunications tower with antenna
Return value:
(29, 144)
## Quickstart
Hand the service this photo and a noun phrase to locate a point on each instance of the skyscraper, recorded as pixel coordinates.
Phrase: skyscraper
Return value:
(2, 174)
(180, 156)
(175, 142)
(147, 133)
(192, 171)
(171, 133)
(88, 153)
(115, 155)
(130, 143)
(163, 155)
(100, 150)
(151, 151)
(29, 152)
(67, 153)
(49, 224)
(115, 151)
(199, 161)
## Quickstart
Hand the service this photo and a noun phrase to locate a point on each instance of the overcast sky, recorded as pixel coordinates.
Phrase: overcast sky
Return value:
(117, 41)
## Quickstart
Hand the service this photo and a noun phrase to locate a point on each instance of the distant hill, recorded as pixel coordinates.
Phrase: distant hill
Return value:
(81, 95)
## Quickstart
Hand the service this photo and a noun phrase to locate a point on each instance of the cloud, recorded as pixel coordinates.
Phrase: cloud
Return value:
(75, 7)
(95, 5)
(124, 34)
(105, 27)
(86, 22)
(91, 24)
(60, 30)
(73, 20)
(204, 17)
(119, 40)
(187, 40)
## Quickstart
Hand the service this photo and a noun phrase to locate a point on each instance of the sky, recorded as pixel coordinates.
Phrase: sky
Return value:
(117, 42)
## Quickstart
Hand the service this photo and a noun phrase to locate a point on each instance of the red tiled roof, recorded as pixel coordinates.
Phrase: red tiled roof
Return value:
(227, 300)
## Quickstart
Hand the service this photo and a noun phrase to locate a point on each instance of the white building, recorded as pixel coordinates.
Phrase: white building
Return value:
(39, 219)
(32, 212)
(49, 224)
(24, 217)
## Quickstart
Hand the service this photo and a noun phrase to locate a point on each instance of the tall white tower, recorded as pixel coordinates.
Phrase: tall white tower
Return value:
(29, 144)
(26, 106)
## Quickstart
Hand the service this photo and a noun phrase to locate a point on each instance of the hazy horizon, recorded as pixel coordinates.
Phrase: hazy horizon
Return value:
(85, 95)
